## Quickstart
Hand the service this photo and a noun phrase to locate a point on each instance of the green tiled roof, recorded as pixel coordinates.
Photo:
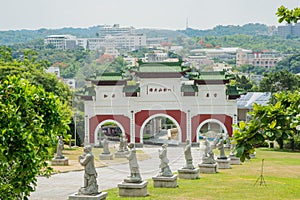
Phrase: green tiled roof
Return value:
(189, 88)
(131, 88)
(211, 77)
(234, 90)
(159, 68)
(208, 75)
(109, 76)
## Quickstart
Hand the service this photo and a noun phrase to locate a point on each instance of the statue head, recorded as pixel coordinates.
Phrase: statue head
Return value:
(87, 149)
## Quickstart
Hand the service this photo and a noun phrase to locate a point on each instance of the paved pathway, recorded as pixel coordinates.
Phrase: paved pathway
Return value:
(60, 186)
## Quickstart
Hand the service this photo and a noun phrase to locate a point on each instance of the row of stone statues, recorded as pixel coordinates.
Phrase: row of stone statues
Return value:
(207, 156)
(90, 186)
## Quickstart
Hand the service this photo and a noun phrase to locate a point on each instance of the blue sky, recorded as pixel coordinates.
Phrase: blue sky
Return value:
(161, 14)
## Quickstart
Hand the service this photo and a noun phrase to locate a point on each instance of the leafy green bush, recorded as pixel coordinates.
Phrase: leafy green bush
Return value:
(31, 119)
(264, 144)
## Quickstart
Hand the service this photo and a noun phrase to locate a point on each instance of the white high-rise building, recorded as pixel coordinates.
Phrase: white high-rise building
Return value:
(115, 30)
(61, 41)
(123, 38)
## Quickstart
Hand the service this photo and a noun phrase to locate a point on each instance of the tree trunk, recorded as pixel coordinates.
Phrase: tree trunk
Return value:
(280, 142)
(293, 144)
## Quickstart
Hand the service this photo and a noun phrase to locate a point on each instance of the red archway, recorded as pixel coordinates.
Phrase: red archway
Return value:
(122, 119)
(143, 115)
(198, 119)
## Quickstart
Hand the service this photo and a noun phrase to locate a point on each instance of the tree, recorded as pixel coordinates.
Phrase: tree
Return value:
(279, 81)
(34, 71)
(31, 119)
(288, 15)
(243, 83)
(35, 108)
(276, 121)
(118, 64)
(290, 63)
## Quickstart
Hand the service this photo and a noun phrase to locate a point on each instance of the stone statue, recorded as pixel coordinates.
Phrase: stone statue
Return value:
(123, 144)
(135, 176)
(208, 155)
(220, 146)
(60, 147)
(232, 149)
(228, 141)
(105, 146)
(164, 162)
(188, 156)
(214, 143)
(90, 182)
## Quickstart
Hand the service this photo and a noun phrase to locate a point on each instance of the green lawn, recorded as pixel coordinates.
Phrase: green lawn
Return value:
(281, 174)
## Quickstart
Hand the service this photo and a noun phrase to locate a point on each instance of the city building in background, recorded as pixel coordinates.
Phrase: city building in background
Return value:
(117, 37)
(264, 59)
(289, 30)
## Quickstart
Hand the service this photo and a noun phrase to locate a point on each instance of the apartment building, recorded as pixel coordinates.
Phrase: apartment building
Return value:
(156, 56)
(259, 59)
(115, 36)
(219, 53)
(199, 61)
(115, 30)
(289, 30)
(62, 42)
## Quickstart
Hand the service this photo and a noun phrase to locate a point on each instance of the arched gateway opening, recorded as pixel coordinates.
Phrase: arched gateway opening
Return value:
(211, 128)
(158, 130)
(96, 122)
(143, 117)
(100, 130)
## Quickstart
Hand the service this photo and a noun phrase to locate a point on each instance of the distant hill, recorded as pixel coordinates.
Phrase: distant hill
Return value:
(247, 29)
(23, 36)
(164, 33)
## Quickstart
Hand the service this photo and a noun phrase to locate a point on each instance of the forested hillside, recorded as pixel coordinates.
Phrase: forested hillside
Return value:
(255, 43)
(247, 29)
(22, 36)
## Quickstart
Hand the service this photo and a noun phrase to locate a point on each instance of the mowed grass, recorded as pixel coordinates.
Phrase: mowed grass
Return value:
(281, 173)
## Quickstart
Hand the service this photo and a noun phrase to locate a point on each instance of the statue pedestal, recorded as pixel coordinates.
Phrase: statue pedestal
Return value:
(133, 189)
(188, 173)
(103, 156)
(121, 154)
(253, 155)
(76, 196)
(234, 160)
(223, 163)
(60, 161)
(165, 182)
(208, 168)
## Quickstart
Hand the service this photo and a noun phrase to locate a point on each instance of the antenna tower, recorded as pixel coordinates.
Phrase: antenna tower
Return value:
(187, 23)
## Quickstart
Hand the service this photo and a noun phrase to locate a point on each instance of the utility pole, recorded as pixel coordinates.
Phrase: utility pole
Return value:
(75, 115)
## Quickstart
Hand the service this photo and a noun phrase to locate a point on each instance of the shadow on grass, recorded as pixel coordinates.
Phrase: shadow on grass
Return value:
(280, 150)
